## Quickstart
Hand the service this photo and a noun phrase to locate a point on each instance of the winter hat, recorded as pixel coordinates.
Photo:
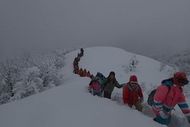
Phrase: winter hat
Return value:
(133, 79)
(112, 73)
(180, 78)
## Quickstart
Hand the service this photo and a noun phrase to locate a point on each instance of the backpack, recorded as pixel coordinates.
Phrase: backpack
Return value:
(97, 84)
(95, 88)
(150, 100)
(167, 82)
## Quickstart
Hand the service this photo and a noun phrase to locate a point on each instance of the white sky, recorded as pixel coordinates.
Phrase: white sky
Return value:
(148, 27)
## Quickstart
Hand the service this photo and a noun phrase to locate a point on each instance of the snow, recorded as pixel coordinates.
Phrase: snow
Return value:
(71, 105)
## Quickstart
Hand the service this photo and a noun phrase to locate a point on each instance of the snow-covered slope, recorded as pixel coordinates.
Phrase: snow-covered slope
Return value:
(71, 105)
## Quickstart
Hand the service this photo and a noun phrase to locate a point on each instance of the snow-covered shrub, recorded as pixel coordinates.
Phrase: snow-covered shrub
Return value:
(30, 73)
(30, 83)
(133, 63)
(59, 59)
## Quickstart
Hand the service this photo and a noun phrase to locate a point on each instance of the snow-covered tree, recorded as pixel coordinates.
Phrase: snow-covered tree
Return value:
(30, 83)
(30, 73)
(133, 63)
(10, 72)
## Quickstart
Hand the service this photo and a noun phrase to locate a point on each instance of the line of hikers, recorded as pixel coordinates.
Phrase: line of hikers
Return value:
(81, 72)
(132, 92)
(162, 100)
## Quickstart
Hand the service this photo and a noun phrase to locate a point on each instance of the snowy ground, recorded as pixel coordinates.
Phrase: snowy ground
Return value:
(71, 105)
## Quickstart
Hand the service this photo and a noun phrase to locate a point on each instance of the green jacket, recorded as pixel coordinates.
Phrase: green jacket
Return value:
(109, 86)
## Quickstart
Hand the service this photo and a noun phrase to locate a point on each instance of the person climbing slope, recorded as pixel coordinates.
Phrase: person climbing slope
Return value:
(76, 65)
(97, 84)
(132, 93)
(110, 83)
(168, 95)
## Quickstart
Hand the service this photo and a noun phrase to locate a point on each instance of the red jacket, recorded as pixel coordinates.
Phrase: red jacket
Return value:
(169, 98)
(132, 93)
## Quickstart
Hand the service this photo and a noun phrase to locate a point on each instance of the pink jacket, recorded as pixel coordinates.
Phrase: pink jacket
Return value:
(166, 98)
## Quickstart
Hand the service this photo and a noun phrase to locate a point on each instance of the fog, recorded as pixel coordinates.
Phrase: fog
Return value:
(148, 27)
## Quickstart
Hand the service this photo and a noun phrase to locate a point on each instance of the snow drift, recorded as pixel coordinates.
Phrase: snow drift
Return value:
(71, 105)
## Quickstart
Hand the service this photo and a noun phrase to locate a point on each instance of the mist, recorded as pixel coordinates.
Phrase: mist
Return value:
(148, 27)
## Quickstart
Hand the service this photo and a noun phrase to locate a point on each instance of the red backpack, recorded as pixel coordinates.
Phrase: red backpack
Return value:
(95, 86)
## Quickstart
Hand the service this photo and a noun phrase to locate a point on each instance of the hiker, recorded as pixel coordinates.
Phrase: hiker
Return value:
(111, 82)
(96, 84)
(76, 70)
(168, 95)
(84, 73)
(91, 76)
(75, 65)
(80, 72)
(88, 74)
(76, 62)
(132, 93)
(81, 52)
